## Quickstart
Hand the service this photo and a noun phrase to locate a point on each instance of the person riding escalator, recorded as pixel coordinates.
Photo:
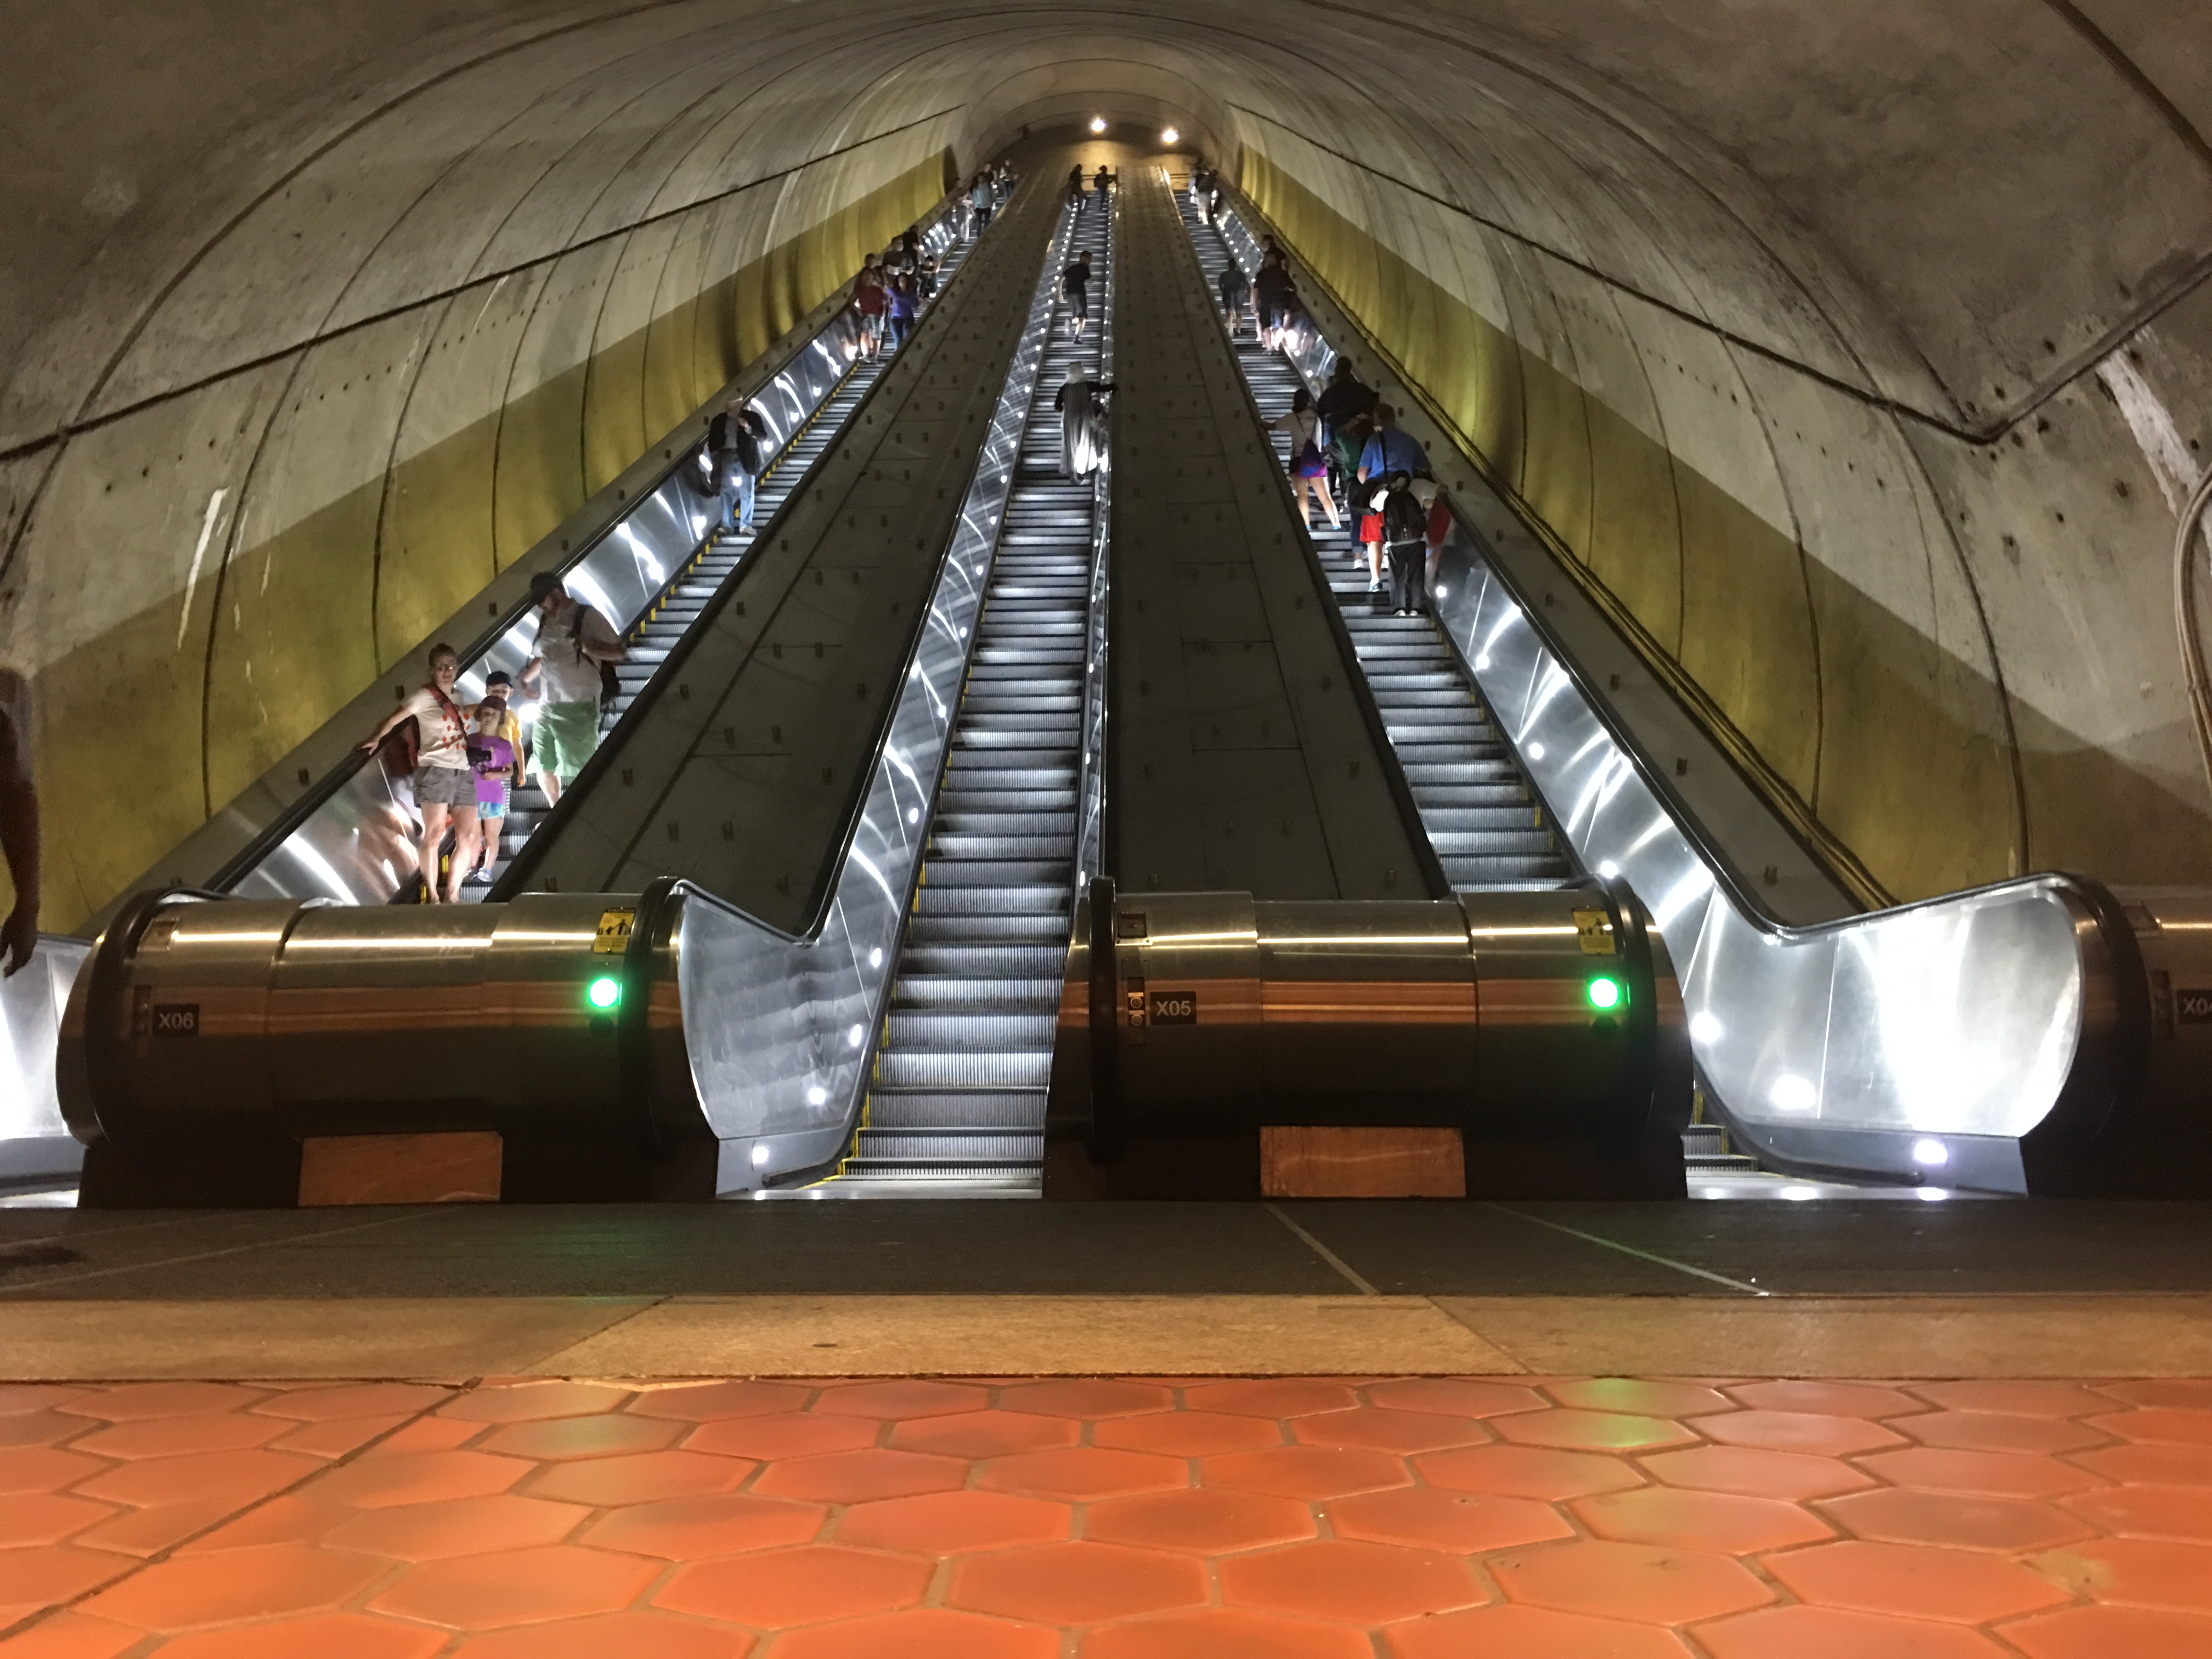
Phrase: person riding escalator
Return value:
(1081, 402)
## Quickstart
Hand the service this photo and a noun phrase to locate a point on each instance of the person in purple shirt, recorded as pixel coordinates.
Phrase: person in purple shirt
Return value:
(905, 301)
(495, 761)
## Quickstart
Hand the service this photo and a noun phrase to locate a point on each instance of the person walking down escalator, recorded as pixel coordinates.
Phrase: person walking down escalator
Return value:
(734, 441)
(979, 205)
(1075, 289)
(1081, 402)
(569, 668)
(905, 305)
(445, 783)
(872, 303)
(1100, 183)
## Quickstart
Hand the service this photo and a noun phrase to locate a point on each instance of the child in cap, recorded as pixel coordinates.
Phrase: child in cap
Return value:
(496, 762)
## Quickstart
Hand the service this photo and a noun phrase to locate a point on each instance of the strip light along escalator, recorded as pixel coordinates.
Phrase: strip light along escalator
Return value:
(958, 1101)
(1489, 829)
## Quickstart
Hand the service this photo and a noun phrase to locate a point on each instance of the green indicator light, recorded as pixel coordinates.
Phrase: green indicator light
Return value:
(1605, 995)
(604, 992)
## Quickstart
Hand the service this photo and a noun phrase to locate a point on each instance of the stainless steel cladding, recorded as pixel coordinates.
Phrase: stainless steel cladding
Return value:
(1531, 1015)
(290, 1017)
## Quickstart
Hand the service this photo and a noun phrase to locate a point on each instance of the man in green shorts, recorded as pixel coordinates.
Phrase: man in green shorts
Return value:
(563, 671)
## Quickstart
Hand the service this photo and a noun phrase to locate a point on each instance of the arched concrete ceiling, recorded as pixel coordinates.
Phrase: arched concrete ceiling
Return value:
(312, 317)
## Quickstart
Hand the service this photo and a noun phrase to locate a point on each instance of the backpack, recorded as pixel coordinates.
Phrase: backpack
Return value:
(1404, 519)
(609, 682)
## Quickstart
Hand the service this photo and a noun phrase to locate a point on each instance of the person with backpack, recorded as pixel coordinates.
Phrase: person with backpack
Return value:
(1405, 543)
(1390, 449)
(1308, 468)
(445, 783)
(572, 669)
(1346, 408)
(1075, 289)
(1081, 403)
(733, 449)
(1236, 297)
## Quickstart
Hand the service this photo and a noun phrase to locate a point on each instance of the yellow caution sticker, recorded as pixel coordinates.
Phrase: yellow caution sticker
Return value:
(614, 932)
(1594, 932)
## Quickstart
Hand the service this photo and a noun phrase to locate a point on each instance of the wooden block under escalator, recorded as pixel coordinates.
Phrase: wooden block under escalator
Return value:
(460, 1168)
(1361, 1163)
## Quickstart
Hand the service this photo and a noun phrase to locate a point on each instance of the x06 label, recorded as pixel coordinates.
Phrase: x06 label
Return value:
(176, 1019)
(2192, 1007)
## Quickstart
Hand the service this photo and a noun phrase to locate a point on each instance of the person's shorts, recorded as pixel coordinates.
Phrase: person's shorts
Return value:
(1271, 316)
(871, 325)
(491, 809)
(567, 735)
(445, 786)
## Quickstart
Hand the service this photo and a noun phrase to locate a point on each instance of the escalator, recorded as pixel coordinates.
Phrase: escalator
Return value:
(1489, 830)
(667, 618)
(957, 1105)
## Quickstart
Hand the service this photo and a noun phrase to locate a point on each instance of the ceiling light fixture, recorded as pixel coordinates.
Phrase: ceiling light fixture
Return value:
(1170, 136)
(1098, 124)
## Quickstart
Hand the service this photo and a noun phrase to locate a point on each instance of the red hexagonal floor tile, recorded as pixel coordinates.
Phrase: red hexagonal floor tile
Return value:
(641, 1478)
(172, 1437)
(2157, 1425)
(985, 1434)
(131, 1401)
(1188, 1434)
(2142, 1572)
(1633, 1582)
(905, 1397)
(44, 1517)
(1276, 1397)
(335, 1436)
(1518, 1632)
(162, 1525)
(1081, 1473)
(1569, 1430)
(323, 1404)
(2021, 1398)
(1679, 1517)
(2178, 1466)
(461, 1526)
(1802, 1632)
(2001, 1431)
(1087, 1397)
(52, 1428)
(1076, 1583)
(71, 1635)
(41, 1574)
(1827, 1398)
(1353, 1582)
(1916, 1581)
(611, 1636)
(709, 1402)
(517, 1587)
(1209, 1520)
(2000, 1474)
(1898, 1515)
(921, 1633)
(690, 1529)
(426, 1434)
(1387, 1430)
(783, 1434)
(17, 1398)
(859, 1477)
(528, 1402)
(2188, 1393)
(200, 1477)
(427, 1477)
(602, 1434)
(1429, 1518)
(1538, 1472)
(288, 1519)
(327, 1636)
(809, 1584)
(1811, 1433)
(223, 1585)
(954, 1523)
(2112, 1633)
(2178, 1512)
(1790, 1476)
(1307, 1473)
(1452, 1396)
(1226, 1633)
(44, 1468)
(1640, 1398)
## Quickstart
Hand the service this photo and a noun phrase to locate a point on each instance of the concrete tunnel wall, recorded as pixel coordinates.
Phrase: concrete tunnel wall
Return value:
(1858, 363)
